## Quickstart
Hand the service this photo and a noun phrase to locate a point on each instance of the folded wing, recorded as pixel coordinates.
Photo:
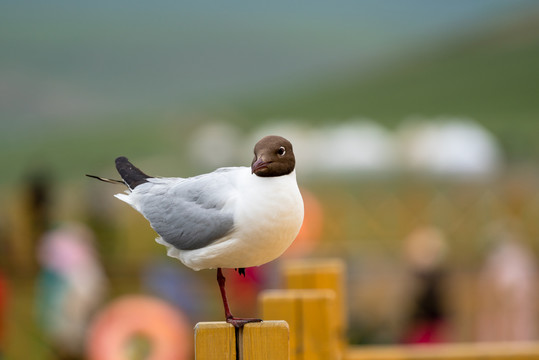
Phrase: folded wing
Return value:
(188, 213)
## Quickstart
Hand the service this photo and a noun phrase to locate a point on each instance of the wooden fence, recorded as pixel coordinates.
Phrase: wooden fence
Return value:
(307, 321)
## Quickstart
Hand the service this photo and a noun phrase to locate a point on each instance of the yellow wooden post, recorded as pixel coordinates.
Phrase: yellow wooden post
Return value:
(267, 340)
(309, 314)
(215, 340)
(279, 304)
(322, 274)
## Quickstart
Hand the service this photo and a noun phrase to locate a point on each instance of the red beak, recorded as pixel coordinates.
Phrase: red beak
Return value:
(258, 164)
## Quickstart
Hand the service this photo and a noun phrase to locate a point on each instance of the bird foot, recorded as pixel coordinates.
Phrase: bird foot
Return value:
(240, 322)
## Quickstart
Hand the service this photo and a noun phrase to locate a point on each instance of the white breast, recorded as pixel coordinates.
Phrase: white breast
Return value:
(267, 216)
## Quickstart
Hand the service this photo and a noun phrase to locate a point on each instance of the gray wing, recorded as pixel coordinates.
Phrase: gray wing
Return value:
(190, 213)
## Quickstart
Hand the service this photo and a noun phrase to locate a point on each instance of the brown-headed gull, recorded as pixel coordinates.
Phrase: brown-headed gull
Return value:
(234, 217)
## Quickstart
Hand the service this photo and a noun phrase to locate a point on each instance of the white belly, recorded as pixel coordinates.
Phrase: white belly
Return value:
(268, 216)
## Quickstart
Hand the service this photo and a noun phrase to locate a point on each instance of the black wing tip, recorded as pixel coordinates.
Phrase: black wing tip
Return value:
(121, 159)
(130, 174)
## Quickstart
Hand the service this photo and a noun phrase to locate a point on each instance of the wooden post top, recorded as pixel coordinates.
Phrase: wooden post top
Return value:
(255, 341)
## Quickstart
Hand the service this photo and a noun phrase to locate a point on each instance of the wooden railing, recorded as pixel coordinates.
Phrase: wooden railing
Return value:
(471, 351)
(308, 321)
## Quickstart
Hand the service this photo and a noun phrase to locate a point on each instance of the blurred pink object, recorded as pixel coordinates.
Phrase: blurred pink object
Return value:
(67, 248)
(507, 292)
(164, 329)
(67, 255)
(427, 332)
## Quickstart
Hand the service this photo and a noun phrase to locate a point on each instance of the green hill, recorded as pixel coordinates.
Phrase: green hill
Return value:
(492, 78)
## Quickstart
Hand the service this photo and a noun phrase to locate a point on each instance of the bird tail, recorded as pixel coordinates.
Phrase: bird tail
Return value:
(131, 175)
(111, 181)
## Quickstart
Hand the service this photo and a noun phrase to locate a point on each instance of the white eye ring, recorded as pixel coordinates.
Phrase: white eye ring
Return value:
(281, 151)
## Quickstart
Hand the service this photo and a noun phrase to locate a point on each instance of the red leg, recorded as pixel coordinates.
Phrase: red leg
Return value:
(237, 322)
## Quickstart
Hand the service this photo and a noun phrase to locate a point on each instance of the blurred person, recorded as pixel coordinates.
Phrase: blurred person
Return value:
(71, 285)
(29, 216)
(425, 251)
(507, 288)
(37, 203)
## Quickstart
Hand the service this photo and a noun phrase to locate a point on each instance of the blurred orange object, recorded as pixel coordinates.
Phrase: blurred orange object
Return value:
(311, 229)
(139, 327)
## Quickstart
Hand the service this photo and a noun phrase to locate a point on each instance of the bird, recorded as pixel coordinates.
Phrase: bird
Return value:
(233, 217)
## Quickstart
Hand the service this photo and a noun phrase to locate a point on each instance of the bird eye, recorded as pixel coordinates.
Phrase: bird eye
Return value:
(281, 151)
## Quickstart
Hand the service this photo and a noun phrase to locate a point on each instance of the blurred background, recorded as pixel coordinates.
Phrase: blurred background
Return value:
(414, 124)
